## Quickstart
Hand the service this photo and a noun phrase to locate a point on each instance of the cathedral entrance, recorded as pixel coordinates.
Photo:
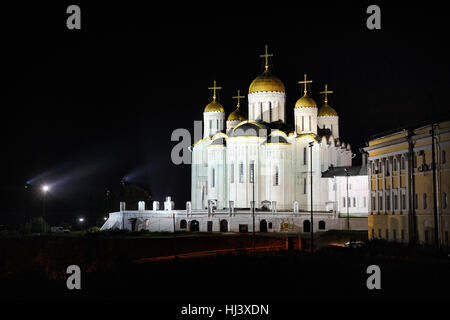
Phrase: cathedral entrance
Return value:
(263, 226)
(223, 225)
(194, 226)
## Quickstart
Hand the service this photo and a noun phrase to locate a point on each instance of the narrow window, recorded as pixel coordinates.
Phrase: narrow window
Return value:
(416, 200)
(213, 178)
(349, 203)
(443, 157)
(395, 202)
(373, 203)
(402, 234)
(241, 172)
(309, 123)
(343, 202)
(415, 160)
(388, 206)
(303, 123)
(331, 128)
(304, 156)
(276, 178)
(260, 106)
(387, 234)
(217, 127)
(379, 234)
(252, 172)
(380, 203)
(403, 164)
(210, 126)
(365, 202)
(354, 202)
(395, 164)
(394, 234)
(270, 111)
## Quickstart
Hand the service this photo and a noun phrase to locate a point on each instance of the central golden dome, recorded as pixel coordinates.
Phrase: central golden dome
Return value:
(305, 102)
(327, 111)
(214, 106)
(266, 82)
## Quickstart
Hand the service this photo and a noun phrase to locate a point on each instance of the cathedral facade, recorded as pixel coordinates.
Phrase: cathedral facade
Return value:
(263, 160)
(259, 173)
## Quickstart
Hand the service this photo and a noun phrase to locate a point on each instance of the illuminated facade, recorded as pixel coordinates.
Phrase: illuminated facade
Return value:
(401, 185)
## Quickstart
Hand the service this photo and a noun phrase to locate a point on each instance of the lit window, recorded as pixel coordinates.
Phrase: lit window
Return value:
(252, 172)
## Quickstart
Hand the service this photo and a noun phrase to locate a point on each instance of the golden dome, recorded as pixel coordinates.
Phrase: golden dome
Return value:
(305, 102)
(236, 115)
(327, 111)
(266, 82)
(214, 106)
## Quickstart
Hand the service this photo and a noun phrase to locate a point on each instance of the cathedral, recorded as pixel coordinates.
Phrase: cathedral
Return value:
(263, 159)
(260, 173)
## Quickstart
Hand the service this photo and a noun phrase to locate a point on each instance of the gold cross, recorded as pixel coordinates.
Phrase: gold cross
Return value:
(266, 56)
(305, 82)
(326, 93)
(214, 88)
(238, 97)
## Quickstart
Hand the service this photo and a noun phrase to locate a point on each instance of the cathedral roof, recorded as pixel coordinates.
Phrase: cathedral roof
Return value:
(266, 82)
(327, 111)
(249, 129)
(214, 106)
(305, 102)
(236, 115)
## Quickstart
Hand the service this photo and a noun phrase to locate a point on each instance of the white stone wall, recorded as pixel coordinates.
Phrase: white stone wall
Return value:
(273, 105)
(329, 122)
(213, 122)
(305, 120)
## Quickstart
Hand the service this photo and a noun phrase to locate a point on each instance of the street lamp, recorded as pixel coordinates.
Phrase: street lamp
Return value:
(311, 177)
(81, 220)
(45, 189)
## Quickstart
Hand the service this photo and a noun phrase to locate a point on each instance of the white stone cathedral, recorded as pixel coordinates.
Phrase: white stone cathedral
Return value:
(261, 158)
(262, 161)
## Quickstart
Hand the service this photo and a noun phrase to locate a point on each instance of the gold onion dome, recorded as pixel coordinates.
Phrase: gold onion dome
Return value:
(236, 115)
(266, 82)
(327, 111)
(214, 106)
(305, 101)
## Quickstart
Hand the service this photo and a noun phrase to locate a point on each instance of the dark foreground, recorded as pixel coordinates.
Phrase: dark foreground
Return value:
(331, 273)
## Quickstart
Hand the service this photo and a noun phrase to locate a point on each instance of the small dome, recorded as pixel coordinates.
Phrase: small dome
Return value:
(327, 111)
(305, 102)
(266, 82)
(249, 129)
(236, 115)
(214, 106)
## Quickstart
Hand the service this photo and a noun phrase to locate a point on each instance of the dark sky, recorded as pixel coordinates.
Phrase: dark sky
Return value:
(81, 109)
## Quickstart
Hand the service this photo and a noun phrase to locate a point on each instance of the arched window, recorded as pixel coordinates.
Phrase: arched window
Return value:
(183, 224)
(321, 225)
(306, 226)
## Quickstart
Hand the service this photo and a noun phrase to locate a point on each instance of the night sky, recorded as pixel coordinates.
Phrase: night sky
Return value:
(82, 109)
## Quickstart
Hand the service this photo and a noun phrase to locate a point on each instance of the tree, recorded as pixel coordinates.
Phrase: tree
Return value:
(36, 225)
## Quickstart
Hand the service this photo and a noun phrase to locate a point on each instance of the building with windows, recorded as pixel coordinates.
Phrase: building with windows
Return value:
(402, 187)
(282, 171)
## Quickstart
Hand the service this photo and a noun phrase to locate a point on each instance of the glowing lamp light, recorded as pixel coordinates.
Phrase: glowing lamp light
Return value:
(81, 219)
(45, 188)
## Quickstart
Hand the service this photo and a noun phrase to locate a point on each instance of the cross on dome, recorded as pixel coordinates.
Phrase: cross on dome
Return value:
(326, 93)
(305, 82)
(214, 88)
(238, 98)
(266, 55)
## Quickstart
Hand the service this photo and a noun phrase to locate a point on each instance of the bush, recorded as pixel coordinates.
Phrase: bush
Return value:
(36, 225)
